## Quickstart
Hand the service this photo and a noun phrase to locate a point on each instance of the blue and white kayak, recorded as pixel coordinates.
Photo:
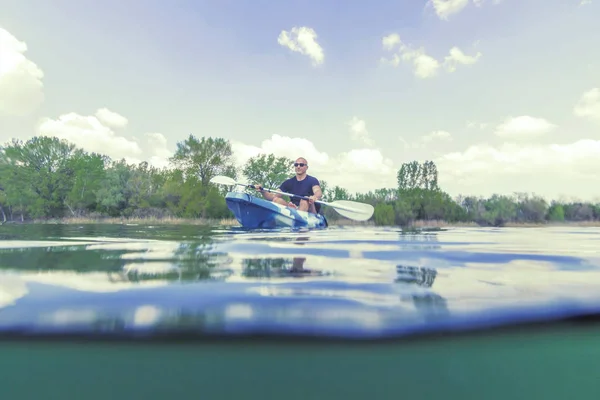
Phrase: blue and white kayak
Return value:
(256, 213)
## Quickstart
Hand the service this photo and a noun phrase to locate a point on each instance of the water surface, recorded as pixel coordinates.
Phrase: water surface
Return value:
(342, 282)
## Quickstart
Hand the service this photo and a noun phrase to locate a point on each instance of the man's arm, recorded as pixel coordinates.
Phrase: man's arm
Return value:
(266, 195)
(318, 194)
(274, 197)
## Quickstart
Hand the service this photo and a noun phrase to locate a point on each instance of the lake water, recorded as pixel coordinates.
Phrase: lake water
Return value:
(340, 283)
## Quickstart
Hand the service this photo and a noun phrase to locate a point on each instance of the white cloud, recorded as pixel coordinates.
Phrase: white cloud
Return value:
(456, 56)
(358, 129)
(524, 127)
(90, 134)
(394, 61)
(93, 134)
(588, 105)
(294, 148)
(160, 154)
(474, 124)
(446, 8)
(427, 140)
(21, 87)
(437, 136)
(585, 2)
(158, 142)
(548, 170)
(425, 66)
(281, 146)
(303, 40)
(390, 41)
(111, 118)
(358, 170)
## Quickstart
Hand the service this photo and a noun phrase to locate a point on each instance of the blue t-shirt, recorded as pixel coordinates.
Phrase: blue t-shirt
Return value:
(301, 188)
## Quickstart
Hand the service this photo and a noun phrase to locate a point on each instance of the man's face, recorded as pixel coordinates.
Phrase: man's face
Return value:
(300, 165)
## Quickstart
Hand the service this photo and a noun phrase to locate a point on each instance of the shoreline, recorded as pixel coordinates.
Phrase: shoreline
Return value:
(231, 222)
(445, 224)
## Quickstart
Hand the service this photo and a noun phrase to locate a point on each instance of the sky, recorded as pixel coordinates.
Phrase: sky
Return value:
(503, 95)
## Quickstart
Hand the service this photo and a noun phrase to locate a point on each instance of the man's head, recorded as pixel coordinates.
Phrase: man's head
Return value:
(300, 165)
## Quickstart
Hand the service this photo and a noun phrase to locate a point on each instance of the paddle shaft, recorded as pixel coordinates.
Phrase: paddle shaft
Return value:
(283, 193)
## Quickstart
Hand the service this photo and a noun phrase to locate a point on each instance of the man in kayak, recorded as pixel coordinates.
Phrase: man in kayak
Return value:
(302, 185)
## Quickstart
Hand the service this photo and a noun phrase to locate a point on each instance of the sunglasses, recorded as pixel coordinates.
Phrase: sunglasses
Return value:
(299, 164)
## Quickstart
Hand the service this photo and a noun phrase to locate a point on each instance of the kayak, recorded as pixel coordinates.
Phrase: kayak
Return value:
(256, 213)
(253, 212)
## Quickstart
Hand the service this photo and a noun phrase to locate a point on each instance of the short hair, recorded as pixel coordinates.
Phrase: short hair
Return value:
(302, 158)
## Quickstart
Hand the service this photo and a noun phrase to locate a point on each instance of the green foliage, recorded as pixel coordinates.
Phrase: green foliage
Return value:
(88, 173)
(384, 214)
(46, 177)
(405, 213)
(114, 191)
(268, 170)
(334, 193)
(413, 175)
(204, 158)
(38, 173)
(499, 210)
(556, 213)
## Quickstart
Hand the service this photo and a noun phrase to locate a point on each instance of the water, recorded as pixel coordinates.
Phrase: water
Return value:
(343, 282)
(192, 286)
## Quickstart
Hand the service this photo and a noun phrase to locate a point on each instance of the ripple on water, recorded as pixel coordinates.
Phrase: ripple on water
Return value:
(352, 282)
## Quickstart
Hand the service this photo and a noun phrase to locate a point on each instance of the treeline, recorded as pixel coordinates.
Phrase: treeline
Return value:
(418, 197)
(48, 178)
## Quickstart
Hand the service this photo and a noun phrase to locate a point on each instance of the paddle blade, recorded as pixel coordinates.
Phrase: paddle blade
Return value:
(353, 210)
(223, 180)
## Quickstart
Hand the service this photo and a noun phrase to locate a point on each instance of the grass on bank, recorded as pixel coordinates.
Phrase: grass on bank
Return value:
(445, 224)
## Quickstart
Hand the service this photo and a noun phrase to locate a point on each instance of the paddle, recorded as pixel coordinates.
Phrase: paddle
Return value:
(349, 209)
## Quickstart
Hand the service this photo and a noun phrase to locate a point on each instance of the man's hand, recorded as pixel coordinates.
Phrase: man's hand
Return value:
(258, 187)
(311, 199)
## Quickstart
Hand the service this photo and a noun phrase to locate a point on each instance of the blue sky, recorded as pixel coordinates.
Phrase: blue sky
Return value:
(501, 123)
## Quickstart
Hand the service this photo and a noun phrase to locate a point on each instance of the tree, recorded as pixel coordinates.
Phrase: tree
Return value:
(408, 175)
(268, 170)
(87, 174)
(113, 193)
(39, 176)
(204, 158)
(337, 193)
(499, 210)
(556, 212)
(2, 200)
(531, 209)
(384, 214)
(413, 175)
(429, 176)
